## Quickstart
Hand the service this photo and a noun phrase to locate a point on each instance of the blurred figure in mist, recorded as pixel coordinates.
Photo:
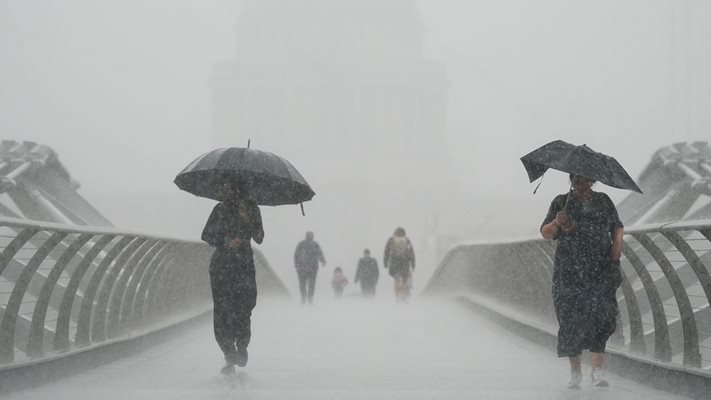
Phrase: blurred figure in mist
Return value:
(399, 259)
(232, 225)
(307, 256)
(338, 282)
(367, 274)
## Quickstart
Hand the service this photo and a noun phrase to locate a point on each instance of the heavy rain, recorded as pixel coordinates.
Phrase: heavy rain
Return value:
(372, 214)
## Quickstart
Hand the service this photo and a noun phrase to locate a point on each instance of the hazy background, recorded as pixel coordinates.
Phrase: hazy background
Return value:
(120, 90)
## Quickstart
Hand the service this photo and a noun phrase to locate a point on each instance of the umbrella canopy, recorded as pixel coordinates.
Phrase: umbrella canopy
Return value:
(578, 160)
(263, 176)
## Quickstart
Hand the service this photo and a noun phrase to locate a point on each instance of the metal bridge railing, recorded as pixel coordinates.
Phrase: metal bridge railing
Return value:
(63, 288)
(664, 296)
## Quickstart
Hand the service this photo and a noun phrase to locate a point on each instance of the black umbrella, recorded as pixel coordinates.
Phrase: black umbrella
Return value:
(263, 176)
(578, 160)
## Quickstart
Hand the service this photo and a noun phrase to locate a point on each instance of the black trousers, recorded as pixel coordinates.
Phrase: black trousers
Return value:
(234, 294)
(307, 284)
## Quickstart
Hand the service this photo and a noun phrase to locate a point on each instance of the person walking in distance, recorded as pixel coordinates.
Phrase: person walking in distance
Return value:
(367, 274)
(399, 259)
(338, 282)
(231, 227)
(307, 257)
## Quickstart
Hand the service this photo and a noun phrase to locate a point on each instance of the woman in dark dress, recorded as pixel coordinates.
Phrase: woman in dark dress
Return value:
(586, 273)
(230, 228)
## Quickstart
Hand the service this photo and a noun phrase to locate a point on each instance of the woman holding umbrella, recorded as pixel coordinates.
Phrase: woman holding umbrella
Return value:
(232, 225)
(241, 179)
(586, 273)
(586, 270)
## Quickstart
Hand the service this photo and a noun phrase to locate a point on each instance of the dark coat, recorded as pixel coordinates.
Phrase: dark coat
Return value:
(307, 255)
(226, 223)
(585, 279)
(367, 272)
(399, 262)
(232, 273)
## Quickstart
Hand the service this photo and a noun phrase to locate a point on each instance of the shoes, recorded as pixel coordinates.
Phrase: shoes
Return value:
(241, 357)
(238, 357)
(599, 378)
(231, 357)
(576, 376)
(228, 369)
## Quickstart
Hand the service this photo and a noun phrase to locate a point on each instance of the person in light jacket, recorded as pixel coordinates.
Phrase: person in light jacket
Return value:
(338, 282)
(399, 260)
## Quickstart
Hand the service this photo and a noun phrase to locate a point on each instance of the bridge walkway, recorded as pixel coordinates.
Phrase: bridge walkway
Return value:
(347, 349)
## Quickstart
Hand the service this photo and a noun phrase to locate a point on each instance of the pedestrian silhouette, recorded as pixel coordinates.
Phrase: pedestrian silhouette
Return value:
(232, 225)
(338, 282)
(307, 256)
(399, 259)
(367, 274)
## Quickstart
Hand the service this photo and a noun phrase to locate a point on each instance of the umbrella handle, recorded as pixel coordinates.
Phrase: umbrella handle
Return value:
(539, 184)
(565, 206)
(302, 209)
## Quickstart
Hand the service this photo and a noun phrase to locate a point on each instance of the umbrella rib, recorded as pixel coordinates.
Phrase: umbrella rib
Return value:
(611, 172)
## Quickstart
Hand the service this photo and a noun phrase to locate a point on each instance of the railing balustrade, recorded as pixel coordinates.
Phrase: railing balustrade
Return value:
(664, 296)
(66, 287)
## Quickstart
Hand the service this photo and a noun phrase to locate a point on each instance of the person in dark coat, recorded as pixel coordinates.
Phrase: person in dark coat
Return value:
(307, 256)
(586, 273)
(399, 259)
(230, 228)
(367, 274)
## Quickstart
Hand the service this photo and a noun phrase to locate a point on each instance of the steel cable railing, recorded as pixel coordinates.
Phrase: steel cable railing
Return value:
(63, 288)
(664, 296)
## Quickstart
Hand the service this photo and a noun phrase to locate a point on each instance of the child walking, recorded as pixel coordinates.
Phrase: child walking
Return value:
(338, 282)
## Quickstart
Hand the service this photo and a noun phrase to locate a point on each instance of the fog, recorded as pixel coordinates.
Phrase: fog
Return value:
(123, 91)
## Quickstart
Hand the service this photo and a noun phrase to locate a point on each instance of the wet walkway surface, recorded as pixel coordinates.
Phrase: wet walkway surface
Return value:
(350, 349)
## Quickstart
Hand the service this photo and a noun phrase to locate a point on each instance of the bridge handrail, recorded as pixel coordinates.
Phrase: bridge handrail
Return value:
(44, 225)
(658, 227)
(65, 288)
(664, 296)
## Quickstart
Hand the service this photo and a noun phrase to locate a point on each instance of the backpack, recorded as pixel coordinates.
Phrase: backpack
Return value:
(399, 246)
